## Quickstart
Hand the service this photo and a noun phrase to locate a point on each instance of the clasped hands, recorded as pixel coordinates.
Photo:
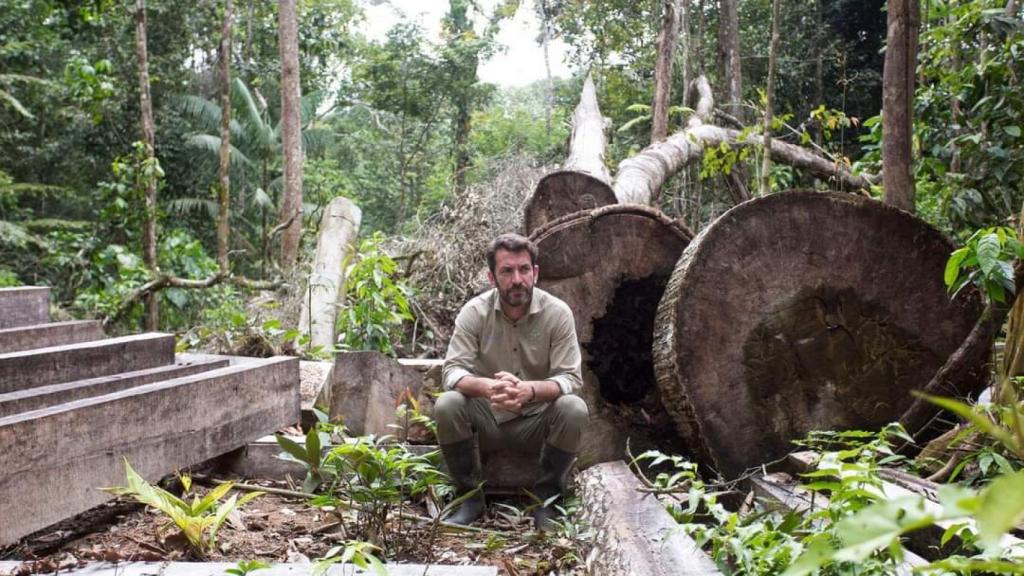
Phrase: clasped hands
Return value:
(507, 392)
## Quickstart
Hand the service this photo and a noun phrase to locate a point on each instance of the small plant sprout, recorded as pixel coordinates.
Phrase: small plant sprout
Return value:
(245, 567)
(198, 520)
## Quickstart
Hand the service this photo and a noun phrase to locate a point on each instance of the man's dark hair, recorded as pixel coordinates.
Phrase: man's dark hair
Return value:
(512, 243)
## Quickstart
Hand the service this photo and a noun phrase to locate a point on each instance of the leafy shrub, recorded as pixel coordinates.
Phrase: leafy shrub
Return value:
(199, 520)
(376, 301)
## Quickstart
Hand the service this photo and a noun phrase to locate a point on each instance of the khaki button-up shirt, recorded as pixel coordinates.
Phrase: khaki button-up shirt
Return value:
(541, 345)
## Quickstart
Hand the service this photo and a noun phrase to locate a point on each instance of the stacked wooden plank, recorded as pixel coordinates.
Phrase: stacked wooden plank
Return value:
(74, 406)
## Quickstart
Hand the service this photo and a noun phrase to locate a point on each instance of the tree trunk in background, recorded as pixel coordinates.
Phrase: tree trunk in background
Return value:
(583, 181)
(224, 192)
(820, 42)
(549, 95)
(729, 55)
(685, 44)
(462, 126)
(904, 20)
(152, 313)
(338, 230)
(769, 92)
(291, 133)
(663, 69)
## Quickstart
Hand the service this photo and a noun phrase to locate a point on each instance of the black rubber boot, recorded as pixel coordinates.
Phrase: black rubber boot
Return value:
(554, 472)
(461, 459)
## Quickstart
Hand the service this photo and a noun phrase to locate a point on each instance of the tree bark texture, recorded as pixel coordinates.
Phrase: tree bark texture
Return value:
(803, 311)
(583, 181)
(667, 38)
(610, 266)
(151, 320)
(224, 191)
(769, 92)
(338, 230)
(291, 132)
(635, 534)
(904, 21)
(729, 54)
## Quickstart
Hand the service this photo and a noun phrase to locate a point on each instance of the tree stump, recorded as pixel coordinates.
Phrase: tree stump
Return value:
(803, 311)
(610, 265)
(583, 182)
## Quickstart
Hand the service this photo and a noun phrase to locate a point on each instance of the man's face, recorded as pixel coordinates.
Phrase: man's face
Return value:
(514, 276)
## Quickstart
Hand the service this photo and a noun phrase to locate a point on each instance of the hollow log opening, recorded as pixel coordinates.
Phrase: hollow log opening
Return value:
(620, 350)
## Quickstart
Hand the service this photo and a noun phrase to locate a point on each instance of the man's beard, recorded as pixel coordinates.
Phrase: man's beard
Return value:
(516, 296)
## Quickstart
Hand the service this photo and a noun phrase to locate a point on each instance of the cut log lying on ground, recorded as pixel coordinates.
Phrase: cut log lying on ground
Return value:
(635, 535)
(54, 394)
(503, 472)
(48, 335)
(338, 230)
(221, 568)
(55, 459)
(32, 368)
(781, 491)
(583, 181)
(610, 265)
(803, 311)
(24, 306)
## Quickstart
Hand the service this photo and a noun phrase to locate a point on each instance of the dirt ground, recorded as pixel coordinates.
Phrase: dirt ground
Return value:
(276, 528)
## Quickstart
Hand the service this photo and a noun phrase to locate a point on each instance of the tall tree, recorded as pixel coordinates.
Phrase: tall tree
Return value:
(152, 314)
(463, 57)
(729, 54)
(904, 22)
(663, 69)
(769, 100)
(224, 190)
(545, 39)
(291, 133)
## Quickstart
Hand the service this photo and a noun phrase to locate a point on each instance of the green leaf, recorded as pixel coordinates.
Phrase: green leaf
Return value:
(988, 253)
(1012, 131)
(878, 525)
(1001, 508)
(953, 266)
(293, 448)
(980, 421)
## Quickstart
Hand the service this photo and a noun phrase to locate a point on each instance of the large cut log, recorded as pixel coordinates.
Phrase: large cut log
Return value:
(610, 265)
(55, 459)
(50, 334)
(635, 534)
(24, 306)
(338, 229)
(365, 389)
(583, 181)
(32, 368)
(803, 311)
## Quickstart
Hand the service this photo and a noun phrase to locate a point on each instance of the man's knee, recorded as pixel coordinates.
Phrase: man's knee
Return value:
(449, 405)
(572, 410)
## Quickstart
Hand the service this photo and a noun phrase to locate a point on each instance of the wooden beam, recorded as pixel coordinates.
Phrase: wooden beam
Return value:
(48, 335)
(219, 569)
(45, 396)
(55, 459)
(33, 368)
(635, 534)
(24, 306)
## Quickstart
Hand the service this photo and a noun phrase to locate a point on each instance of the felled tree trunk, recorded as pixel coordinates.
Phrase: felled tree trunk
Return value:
(610, 265)
(338, 230)
(803, 311)
(640, 178)
(583, 181)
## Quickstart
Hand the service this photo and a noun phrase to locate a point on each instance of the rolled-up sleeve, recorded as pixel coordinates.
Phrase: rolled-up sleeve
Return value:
(565, 353)
(463, 348)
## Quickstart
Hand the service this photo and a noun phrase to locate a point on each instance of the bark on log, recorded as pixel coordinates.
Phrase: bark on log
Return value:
(640, 178)
(338, 229)
(635, 535)
(802, 311)
(583, 181)
(610, 265)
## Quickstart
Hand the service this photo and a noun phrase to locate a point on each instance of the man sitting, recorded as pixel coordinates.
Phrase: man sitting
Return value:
(511, 371)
